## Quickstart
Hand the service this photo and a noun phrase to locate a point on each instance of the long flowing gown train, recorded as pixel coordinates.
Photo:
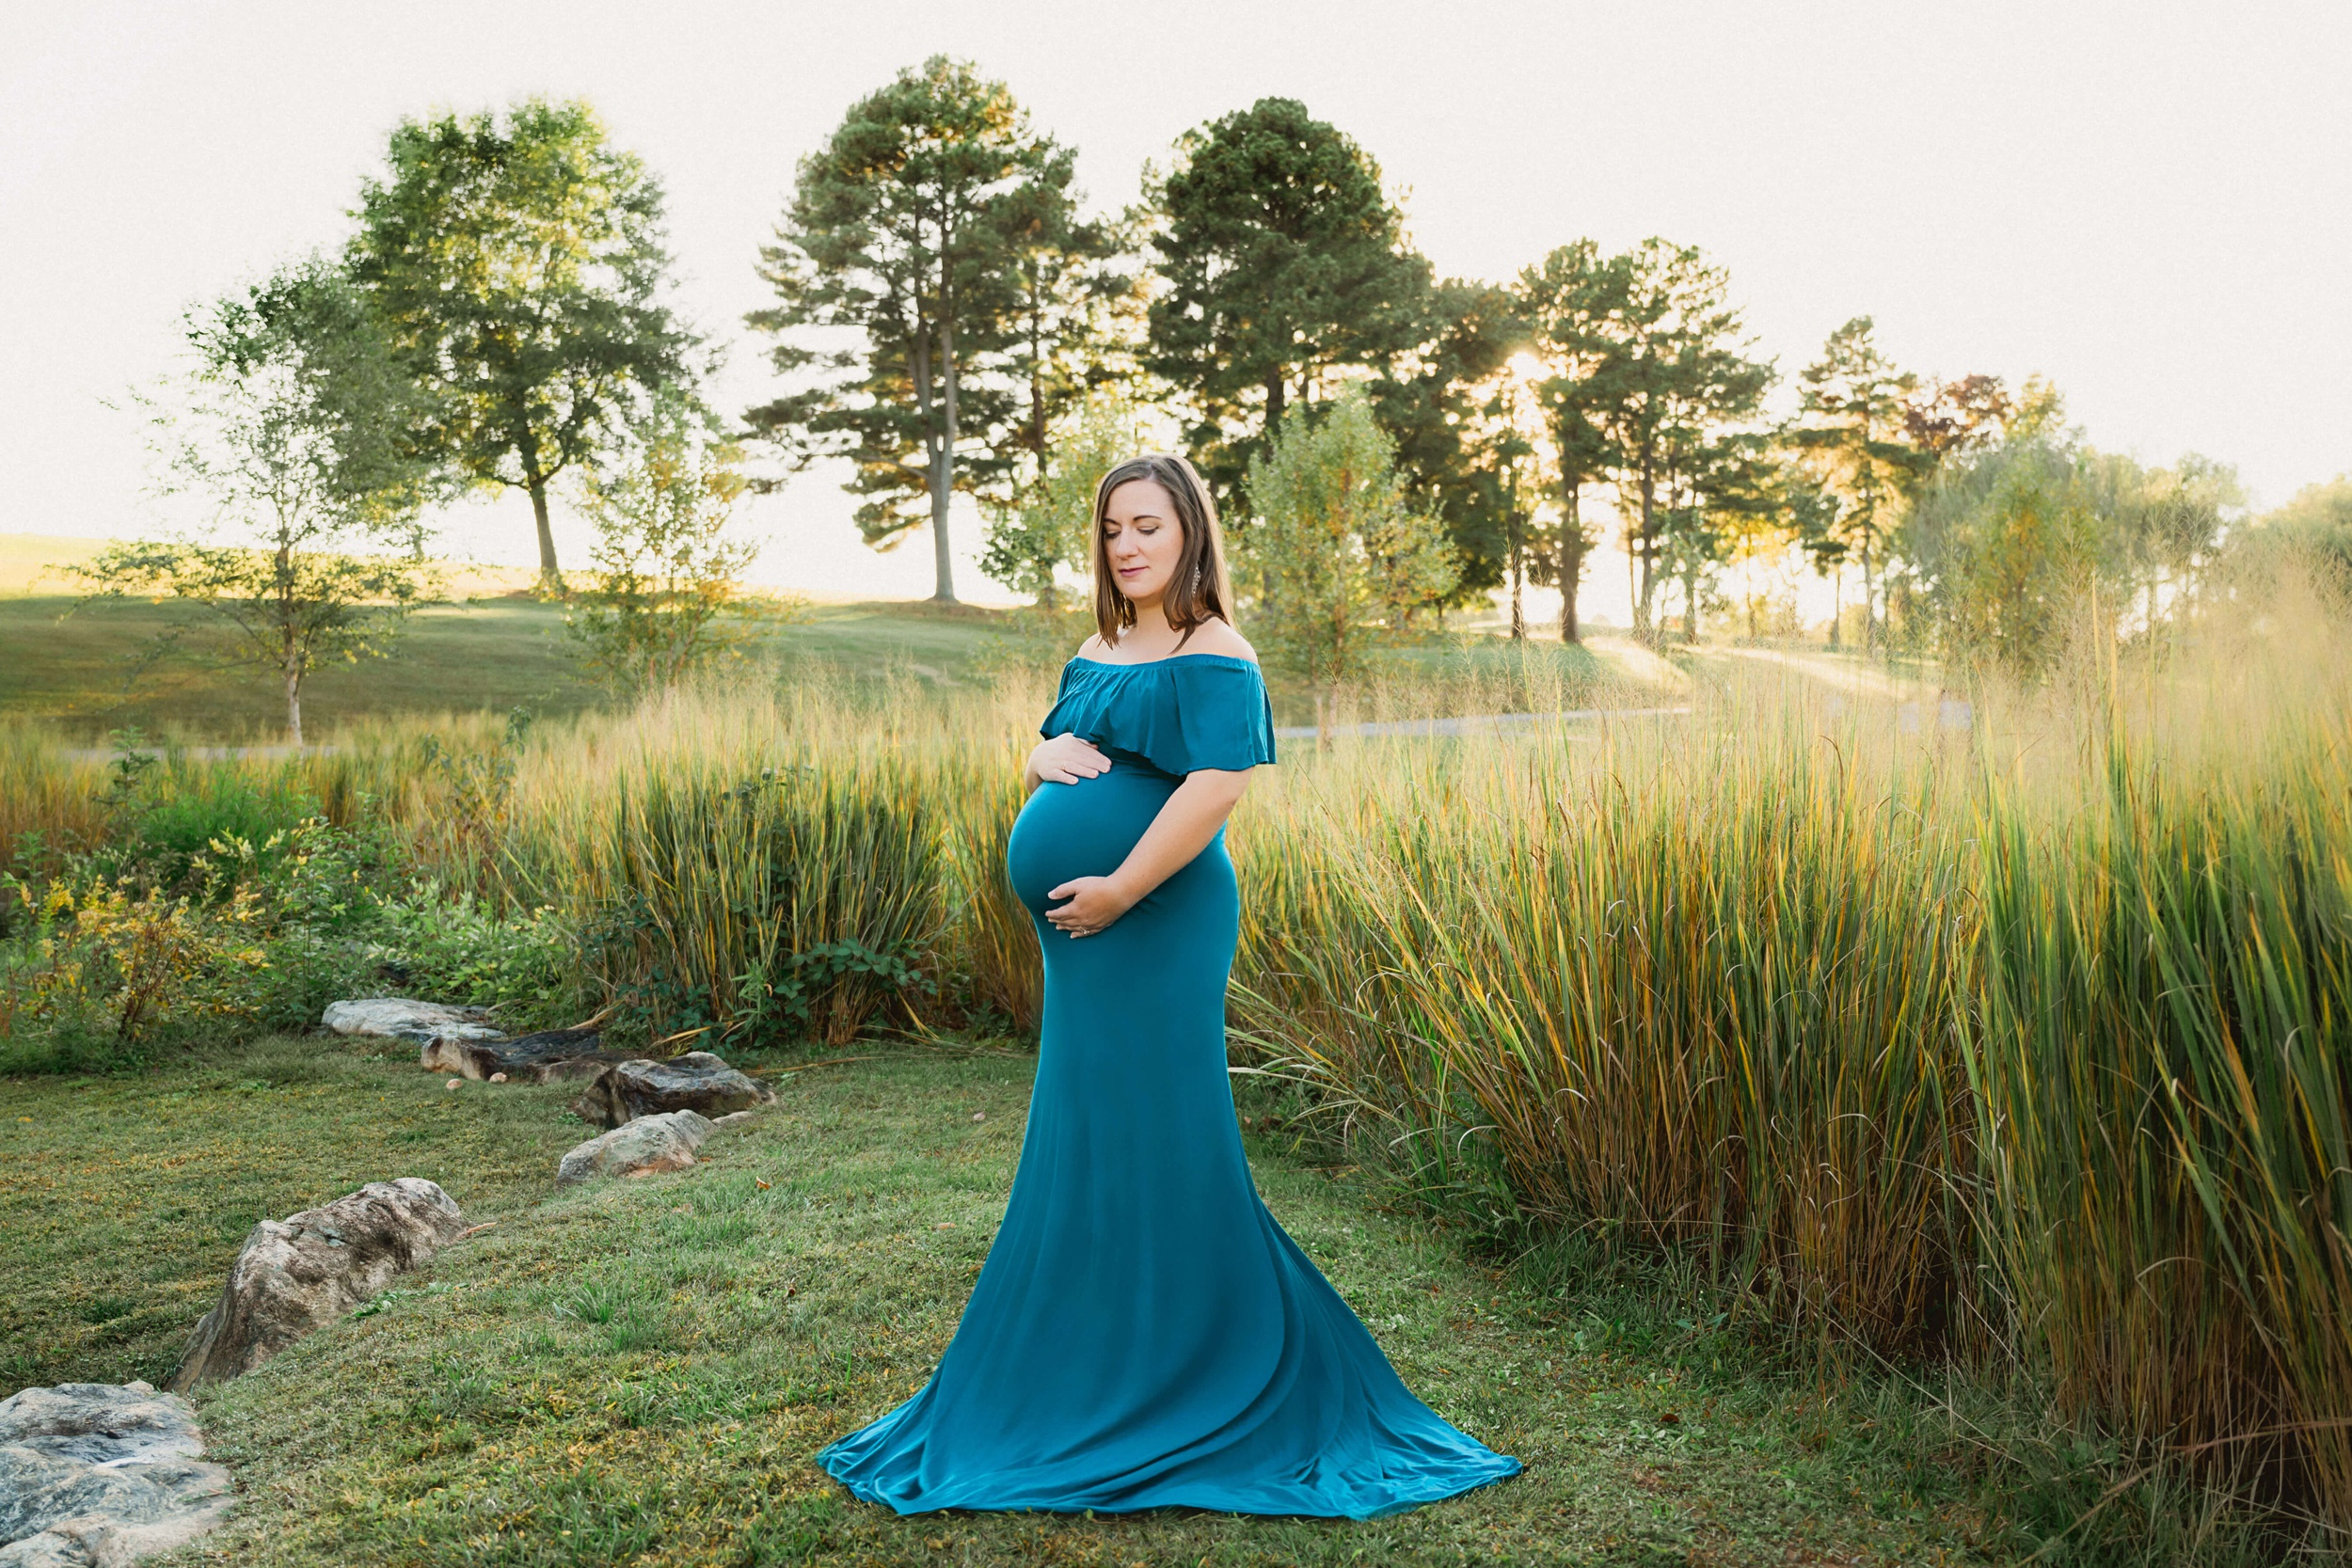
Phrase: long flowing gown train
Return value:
(1144, 1334)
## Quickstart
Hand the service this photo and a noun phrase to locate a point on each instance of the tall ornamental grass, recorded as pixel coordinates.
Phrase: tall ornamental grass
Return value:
(2028, 1042)
(762, 864)
(1682, 989)
(2156, 1034)
(48, 802)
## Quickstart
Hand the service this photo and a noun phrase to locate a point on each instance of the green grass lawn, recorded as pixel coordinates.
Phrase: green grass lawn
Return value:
(494, 653)
(77, 672)
(638, 1371)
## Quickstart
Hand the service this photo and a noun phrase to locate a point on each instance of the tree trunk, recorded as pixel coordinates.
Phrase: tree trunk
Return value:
(1646, 586)
(551, 580)
(1836, 602)
(1870, 605)
(1275, 392)
(932, 450)
(1571, 564)
(1037, 370)
(294, 695)
(1633, 584)
(1519, 550)
(943, 490)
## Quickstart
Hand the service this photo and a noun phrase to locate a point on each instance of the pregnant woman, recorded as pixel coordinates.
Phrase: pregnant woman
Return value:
(1144, 1334)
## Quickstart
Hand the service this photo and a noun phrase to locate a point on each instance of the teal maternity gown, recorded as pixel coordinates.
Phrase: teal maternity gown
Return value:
(1144, 1334)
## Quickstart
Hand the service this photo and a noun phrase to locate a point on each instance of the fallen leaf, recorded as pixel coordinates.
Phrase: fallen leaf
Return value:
(453, 1083)
(980, 1116)
(945, 1224)
(763, 1185)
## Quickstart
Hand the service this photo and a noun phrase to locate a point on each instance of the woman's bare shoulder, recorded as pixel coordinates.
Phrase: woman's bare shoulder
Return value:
(1093, 647)
(1214, 636)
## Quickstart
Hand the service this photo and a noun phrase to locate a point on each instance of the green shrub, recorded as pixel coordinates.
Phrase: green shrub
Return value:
(198, 809)
(166, 816)
(68, 1046)
(102, 960)
(452, 948)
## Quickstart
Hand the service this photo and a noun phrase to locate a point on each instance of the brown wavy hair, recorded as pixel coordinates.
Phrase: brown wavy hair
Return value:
(1201, 587)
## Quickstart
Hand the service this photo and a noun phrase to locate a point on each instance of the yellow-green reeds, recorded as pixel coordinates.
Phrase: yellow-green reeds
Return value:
(47, 800)
(2158, 1036)
(1692, 989)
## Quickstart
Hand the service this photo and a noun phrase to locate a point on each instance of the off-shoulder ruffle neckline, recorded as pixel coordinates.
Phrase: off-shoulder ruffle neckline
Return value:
(1166, 659)
(1206, 710)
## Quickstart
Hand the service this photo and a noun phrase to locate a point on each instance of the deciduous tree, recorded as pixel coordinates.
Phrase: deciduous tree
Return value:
(1335, 552)
(1953, 418)
(666, 601)
(2316, 523)
(2171, 521)
(293, 422)
(521, 261)
(2013, 545)
(1046, 529)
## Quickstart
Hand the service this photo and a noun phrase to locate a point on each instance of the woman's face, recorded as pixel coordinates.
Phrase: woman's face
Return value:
(1141, 539)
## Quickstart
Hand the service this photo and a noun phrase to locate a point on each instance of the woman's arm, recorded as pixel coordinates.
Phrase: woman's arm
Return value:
(1181, 831)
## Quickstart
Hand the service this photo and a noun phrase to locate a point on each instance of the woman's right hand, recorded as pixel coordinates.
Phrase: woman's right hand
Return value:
(1066, 759)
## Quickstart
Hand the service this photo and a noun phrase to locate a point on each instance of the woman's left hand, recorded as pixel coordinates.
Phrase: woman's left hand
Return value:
(1094, 903)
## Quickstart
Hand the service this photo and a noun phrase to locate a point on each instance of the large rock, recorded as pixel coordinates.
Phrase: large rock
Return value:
(579, 1069)
(695, 1082)
(297, 1274)
(640, 1147)
(96, 1474)
(419, 1022)
(550, 1055)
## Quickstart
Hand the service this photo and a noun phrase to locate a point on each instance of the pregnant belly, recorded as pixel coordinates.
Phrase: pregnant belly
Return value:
(1081, 830)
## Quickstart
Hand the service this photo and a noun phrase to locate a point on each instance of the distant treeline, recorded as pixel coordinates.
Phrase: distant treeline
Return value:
(949, 315)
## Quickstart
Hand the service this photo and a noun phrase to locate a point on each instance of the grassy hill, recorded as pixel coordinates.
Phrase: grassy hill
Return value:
(79, 669)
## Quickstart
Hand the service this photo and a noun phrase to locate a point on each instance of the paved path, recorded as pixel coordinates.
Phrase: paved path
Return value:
(1475, 724)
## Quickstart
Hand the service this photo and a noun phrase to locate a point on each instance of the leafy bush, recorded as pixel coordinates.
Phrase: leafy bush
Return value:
(454, 949)
(178, 826)
(154, 933)
(163, 818)
(101, 962)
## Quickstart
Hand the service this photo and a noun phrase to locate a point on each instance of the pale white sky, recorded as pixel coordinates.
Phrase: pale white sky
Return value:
(2148, 202)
